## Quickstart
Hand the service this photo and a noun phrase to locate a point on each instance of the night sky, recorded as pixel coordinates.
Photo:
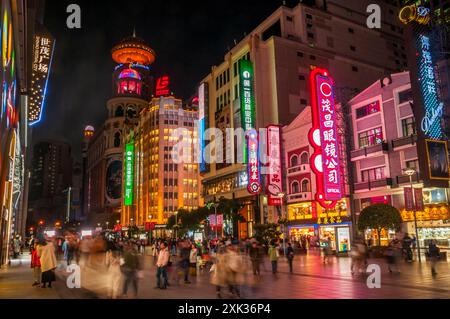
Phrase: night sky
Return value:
(188, 37)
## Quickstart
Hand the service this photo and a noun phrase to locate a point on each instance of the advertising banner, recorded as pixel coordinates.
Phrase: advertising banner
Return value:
(409, 201)
(274, 177)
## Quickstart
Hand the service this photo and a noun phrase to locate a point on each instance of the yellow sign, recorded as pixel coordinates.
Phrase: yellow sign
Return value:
(430, 213)
(329, 220)
(415, 13)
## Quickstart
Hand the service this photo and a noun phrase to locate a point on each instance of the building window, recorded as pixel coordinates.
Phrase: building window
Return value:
(309, 25)
(310, 35)
(312, 57)
(304, 158)
(405, 96)
(299, 54)
(368, 109)
(305, 186)
(294, 160)
(370, 137)
(303, 101)
(235, 69)
(414, 164)
(301, 77)
(295, 189)
(288, 18)
(373, 174)
(308, 16)
(350, 30)
(353, 48)
(408, 126)
(354, 68)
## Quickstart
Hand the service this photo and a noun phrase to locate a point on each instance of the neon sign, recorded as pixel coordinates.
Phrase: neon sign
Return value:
(129, 73)
(415, 13)
(323, 137)
(431, 121)
(274, 187)
(162, 86)
(129, 173)
(42, 59)
(254, 184)
(203, 119)
(247, 95)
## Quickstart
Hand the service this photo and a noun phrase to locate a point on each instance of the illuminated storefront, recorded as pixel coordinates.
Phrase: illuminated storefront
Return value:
(310, 219)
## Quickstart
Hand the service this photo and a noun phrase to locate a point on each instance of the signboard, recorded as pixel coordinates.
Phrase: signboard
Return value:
(418, 199)
(323, 137)
(203, 123)
(149, 226)
(409, 201)
(43, 47)
(343, 239)
(254, 183)
(129, 174)
(247, 95)
(275, 177)
(162, 86)
(437, 155)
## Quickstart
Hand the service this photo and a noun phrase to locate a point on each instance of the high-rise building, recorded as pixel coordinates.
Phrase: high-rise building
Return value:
(132, 87)
(282, 50)
(51, 176)
(156, 183)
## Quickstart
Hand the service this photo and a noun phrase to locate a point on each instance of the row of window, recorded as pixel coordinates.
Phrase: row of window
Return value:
(223, 100)
(305, 187)
(379, 173)
(170, 167)
(236, 64)
(222, 79)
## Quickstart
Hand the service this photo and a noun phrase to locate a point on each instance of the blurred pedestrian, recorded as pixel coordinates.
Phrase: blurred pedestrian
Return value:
(130, 269)
(255, 258)
(193, 260)
(434, 255)
(290, 256)
(161, 266)
(273, 256)
(35, 264)
(47, 255)
(114, 273)
(394, 252)
(326, 250)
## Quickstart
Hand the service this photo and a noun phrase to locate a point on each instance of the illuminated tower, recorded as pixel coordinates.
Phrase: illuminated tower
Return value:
(131, 92)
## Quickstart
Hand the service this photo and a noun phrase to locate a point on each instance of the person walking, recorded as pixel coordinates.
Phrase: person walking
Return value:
(434, 254)
(16, 245)
(193, 260)
(326, 250)
(35, 264)
(161, 266)
(290, 256)
(255, 257)
(47, 255)
(130, 269)
(394, 252)
(114, 274)
(273, 256)
(185, 252)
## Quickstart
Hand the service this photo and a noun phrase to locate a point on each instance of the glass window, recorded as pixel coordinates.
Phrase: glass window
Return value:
(414, 164)
(368, 109)
(371, 137)
(295, 188)
(405, 96)
(305, 186)
(373, 174)
(294, 161)
(408, 126)
(304, 158)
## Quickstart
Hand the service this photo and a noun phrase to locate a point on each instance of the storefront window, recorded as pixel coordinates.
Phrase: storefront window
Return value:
(373, 174)
(371, 137)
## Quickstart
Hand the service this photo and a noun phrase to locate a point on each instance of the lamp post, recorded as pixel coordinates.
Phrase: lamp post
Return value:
(150, 232)
(107, 225)
(176, 225)
(281, 197)
(216, 205)
(410, 172)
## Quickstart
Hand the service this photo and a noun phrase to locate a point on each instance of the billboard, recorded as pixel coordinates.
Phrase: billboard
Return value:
(323, 137)
(114, 180)
(247, 95)
(437, 155)
(129, 174)
(253, 170)
(274, 177)
(203, 123)
(43, 47)
(162, 86)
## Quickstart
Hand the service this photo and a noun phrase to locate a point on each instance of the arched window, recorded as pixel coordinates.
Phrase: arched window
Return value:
(304, 158)
(119, 112)
(294, 160)
(131, 113)
(305, 186)
(295, 188)
(117, 139)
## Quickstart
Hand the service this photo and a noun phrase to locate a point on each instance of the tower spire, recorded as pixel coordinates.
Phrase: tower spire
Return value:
(134, 32)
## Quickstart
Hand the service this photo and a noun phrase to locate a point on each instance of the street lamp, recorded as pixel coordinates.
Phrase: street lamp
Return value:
(280, 212)
(410, 172)
(176, 225)
(107, 225)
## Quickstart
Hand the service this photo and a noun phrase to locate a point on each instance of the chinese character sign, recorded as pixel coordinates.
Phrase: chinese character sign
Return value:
(247, 95)
(254, 184)
(274, 185)
(433, 108)
(324, 139)
(203, 123)
(43, 47)
(129, 173)
(409, 201)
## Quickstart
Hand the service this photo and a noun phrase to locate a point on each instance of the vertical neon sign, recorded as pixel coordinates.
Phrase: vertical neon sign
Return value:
(323, 137)
(129, 174)
(254, 183)
(274, 187)
(203, 123)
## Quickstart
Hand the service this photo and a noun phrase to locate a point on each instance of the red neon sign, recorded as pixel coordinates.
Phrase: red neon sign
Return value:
(162, 86)
(274, 185)
(323, 137)
(254, 184)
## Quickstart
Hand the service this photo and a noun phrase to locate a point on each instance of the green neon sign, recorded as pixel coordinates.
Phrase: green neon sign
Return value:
(129, 174)
(247, 96)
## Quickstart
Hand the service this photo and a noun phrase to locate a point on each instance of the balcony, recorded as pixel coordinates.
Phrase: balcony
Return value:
(299, 169)
(299, 197)
(373, 184)
(369, 150)
(404, 179)
(404, 141)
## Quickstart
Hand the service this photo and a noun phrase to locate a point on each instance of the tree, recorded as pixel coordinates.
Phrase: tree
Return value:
(379, 217)
(266, 232)
(230, 208)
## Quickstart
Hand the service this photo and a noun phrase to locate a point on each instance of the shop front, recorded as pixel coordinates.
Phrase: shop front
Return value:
(307, 219)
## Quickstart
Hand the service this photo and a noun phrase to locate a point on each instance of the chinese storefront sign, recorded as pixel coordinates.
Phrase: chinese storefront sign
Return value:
(254, 183)
(43, 47)
(418, 199)
(203, 123)
(275, 176)
(438, 212)
(247, 95)
(323, 137)
(409, 204)
(431, 122)
(129, 173)
(329, 220)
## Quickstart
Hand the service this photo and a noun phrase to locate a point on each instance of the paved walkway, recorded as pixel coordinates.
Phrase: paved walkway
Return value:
(311, 279)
